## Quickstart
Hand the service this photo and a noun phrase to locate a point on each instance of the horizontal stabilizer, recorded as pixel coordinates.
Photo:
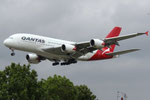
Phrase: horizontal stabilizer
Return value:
(122, 52)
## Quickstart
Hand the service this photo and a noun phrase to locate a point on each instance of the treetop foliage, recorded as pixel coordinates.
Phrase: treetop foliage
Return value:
(21, 83)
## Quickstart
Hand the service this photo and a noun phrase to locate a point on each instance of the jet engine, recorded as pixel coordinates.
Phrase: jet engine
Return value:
(96, 43)
(33, 58)
(67, 48)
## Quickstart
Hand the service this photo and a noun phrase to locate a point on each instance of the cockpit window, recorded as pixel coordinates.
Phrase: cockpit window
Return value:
(10, 37)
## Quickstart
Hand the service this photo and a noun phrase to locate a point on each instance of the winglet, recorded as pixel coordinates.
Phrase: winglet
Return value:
(146, 33)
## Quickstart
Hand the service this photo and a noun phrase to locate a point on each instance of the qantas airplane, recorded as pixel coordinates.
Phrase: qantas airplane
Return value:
(66, 52)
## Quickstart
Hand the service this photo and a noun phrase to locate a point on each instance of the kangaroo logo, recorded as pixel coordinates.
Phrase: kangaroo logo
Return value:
(106, 51)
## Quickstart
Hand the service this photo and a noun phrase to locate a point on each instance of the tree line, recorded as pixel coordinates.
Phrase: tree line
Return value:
(21, 83)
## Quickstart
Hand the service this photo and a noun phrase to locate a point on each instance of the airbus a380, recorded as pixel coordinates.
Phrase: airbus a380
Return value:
(66, 52)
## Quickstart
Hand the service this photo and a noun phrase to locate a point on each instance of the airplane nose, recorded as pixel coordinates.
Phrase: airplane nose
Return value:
(5, 42)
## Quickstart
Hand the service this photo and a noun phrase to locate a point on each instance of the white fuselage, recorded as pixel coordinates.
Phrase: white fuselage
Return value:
(68, 52)
(35, 44)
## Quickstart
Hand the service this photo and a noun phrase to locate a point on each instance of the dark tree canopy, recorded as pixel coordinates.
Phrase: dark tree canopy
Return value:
(20, 83)
(59, 88)
(85, 93)
(17, 82)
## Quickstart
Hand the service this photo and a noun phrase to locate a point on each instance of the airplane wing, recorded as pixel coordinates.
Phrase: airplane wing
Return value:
(83, 48)
(114, 40)
(54, 50)
(109, 41)
(122, 52)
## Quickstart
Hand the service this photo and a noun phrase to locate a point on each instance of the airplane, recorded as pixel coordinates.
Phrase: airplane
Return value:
(62, 52)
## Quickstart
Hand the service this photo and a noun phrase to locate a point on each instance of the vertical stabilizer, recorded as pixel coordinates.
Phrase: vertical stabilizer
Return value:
(115, 32)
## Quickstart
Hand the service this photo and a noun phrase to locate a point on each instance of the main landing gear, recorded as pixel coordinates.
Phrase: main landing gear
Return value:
(68, 62)
(13, 53)
(55, 63)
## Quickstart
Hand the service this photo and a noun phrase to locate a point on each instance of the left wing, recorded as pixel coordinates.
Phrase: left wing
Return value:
(54, 50)
(81, 49)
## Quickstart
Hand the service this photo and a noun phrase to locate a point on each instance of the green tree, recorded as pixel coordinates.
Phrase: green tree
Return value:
(84, 93)
(18, 83)
(59, 88)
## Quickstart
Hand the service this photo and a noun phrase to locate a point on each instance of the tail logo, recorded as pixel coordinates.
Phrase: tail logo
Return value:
(107, 50)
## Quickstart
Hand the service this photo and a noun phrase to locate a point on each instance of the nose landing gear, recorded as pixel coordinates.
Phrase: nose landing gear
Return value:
(13, 53)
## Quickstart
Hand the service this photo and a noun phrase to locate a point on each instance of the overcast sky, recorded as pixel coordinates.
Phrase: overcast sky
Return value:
(82, 20)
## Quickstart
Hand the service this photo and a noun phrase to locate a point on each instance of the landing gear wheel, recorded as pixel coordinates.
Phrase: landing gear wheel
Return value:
(56, 63)
(13, 54)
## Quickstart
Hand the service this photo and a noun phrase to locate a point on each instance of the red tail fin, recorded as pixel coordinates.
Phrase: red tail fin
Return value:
(115, 32)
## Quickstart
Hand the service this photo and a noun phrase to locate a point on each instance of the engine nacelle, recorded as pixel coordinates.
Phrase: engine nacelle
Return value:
(96, 43)
(33, 58)
(67, 48)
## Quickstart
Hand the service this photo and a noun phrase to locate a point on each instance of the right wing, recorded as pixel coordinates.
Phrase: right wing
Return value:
(114, 40)
(84, 47)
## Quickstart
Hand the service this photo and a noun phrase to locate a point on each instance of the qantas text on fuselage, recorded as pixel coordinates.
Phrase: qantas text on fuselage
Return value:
(32, 39)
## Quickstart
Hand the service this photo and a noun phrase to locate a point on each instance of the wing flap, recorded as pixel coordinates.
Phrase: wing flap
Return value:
(122, 52)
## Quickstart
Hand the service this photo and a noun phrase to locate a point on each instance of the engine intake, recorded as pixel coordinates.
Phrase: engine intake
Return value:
(33, 58)
(67, 48)
(96, 43)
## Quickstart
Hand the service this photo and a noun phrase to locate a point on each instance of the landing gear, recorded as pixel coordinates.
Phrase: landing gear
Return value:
(68, 62)
(13, 53)
(64, 63)
(56, 63)
(71, 61)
